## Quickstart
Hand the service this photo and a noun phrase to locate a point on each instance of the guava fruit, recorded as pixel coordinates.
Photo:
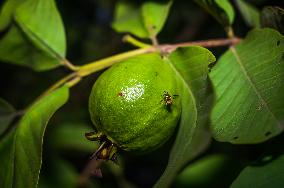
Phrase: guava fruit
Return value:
(135, 106)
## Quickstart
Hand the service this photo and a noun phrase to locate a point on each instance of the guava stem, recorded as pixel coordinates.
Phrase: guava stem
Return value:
(131, 40)
(69, 65)
(107, 62)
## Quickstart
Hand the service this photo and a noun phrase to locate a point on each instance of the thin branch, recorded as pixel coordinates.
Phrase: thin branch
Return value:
(69, 65)
(98, 65)
(154, 41)
(134, 41)
(104, 63)
(212, 43)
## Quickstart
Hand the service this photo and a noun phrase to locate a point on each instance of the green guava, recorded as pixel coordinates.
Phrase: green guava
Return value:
(135, 106)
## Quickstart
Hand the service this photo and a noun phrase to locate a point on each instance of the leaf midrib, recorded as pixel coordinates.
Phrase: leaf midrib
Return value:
(186, 86)
(247, 76)
(173, 160)
(43, 42)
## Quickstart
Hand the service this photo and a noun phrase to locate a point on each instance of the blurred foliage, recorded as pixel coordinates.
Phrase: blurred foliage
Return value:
(90, 37)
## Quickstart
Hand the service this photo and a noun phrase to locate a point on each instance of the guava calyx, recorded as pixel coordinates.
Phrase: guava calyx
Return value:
(107, 149)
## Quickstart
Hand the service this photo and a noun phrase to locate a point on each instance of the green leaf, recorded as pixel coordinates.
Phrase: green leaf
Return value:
(7, 113)
(129, 19)
(191, 66)
(155, 15)
(209, 170)
(41, 22)
(248, 81)
(222, 10)
(71, 136)
(21, 149)
(250, 14)
(145, 21)
(269, 174)
(6, 13)
(273, 17)
(16, 49)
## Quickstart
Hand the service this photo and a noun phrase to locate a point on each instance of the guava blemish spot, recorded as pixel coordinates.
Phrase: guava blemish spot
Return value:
(120, 94)
(278, 42)
(236, 137)
(156, 73)
(267, 133)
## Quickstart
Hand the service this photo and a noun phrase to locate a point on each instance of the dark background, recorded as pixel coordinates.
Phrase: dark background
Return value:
(90, 37)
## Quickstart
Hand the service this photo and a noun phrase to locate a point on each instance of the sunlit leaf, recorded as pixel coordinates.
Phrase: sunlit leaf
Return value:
(269, 174)
(250, 13)
(16, 49)
(6, 12)
(21, 149)
(191, 66)
(41, 22)
(248, 81)
(145, 21)
(273, 17)
(129, 19)
(222, 10)
(7, 112)
(155, 15)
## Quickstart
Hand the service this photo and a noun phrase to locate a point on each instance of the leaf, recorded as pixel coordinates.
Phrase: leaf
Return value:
(21, 149)
(71, 136)
(209, 170)
(248, 81)
(6, 115)
(155, 15)
(250, 14)
(269, 175)
(145, 21)
(6, 13)
(273, 17)
(191, 66)
(41, 22)
(222, 10)
(16, 49)
(129, 19)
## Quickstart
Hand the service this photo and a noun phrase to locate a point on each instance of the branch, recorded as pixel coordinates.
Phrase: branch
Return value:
(95, 66)
(69, 65)
(134, 41)
(212, 43)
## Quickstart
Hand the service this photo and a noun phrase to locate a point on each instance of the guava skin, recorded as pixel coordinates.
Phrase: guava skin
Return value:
(127, 103)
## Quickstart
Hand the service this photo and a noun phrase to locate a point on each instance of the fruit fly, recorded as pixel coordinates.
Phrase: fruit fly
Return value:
(168, 99)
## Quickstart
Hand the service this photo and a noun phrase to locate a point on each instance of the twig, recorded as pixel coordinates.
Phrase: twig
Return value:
(95, 66)
(134, 41)
(69, 65)
(212, 43)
